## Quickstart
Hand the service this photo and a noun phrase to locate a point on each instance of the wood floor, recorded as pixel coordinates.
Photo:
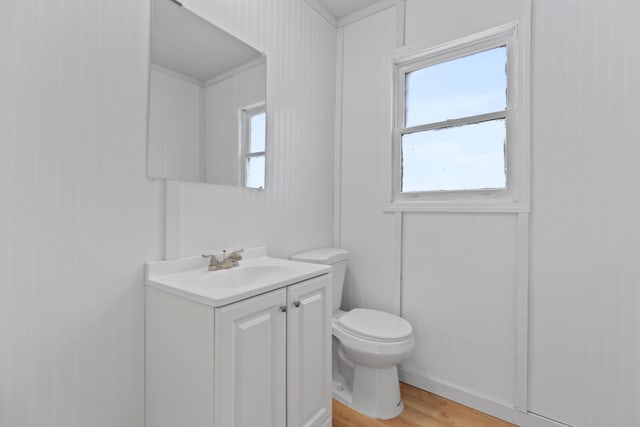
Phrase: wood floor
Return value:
(421, 409)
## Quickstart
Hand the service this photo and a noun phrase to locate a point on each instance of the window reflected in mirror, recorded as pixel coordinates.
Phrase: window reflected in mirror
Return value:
(254, 141)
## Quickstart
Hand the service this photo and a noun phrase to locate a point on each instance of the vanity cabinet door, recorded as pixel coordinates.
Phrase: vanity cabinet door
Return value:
(309, 353)
(250, 362)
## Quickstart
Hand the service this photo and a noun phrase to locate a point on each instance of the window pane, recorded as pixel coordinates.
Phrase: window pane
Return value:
(258, 132)
(468, 157)
(255, 172)
(475, 84)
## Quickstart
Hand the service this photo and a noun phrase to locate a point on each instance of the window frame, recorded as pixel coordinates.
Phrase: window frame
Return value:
(515, 195)
(246, 113)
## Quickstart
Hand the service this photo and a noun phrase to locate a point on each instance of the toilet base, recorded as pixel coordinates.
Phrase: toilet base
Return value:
(375, 393)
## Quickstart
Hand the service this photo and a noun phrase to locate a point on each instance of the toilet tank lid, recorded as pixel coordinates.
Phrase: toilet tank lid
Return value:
(322, 256)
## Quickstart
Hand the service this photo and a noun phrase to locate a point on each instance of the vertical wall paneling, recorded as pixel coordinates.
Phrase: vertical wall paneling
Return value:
(459, 293)
(78, 217)
(461, 279)
(366, 231)
(295, 210)
(585, 298)
(435, 22)
(557, 287)
(8, 22)
(400, 23)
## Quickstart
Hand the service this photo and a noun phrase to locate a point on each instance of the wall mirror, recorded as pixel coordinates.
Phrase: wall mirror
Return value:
(207, 102)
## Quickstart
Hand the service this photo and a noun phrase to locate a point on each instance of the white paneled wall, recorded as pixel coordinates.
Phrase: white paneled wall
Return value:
(295, 210)
(585, 282)
(458, 284)
(367, 232)
(78, 217)
(459, 271)
(437, 21)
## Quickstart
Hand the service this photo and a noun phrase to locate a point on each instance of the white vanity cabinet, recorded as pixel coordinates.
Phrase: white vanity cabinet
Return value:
(251, 362)
(273, 365)
(260, 361)
(309, 353)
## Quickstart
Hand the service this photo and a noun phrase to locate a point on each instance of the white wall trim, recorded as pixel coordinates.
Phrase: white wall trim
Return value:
(409, 58)
(522, 312)
(475, 401)
(323, 12)
(398, 216)
(337, 142)
(450, 207)
(401, 10)
(353, 17)
(396, 247)
(367, 11)
(235, 71)
(173, 73)
(524, 154)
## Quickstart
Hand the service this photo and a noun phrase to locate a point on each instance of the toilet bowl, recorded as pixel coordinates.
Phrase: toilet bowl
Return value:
(375, 343)
(367, 347)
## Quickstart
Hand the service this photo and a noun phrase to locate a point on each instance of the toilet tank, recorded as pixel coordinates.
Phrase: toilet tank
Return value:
(336, 258)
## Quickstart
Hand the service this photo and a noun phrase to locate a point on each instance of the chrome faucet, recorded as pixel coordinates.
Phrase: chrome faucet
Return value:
(226, 261)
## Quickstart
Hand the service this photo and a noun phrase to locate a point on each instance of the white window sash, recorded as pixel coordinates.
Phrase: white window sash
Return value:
(246, 113)
(513, 198)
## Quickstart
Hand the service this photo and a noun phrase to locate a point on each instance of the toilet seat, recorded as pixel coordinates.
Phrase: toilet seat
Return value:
(374, 325)
(372, 338)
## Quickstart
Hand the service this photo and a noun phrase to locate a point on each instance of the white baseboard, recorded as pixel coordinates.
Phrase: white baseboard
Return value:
(483, 404)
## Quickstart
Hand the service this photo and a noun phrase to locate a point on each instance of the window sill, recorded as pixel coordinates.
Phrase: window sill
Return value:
(457, 207)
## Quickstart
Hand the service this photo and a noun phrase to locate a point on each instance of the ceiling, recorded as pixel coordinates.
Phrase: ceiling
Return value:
(190, 45)
(342, 8)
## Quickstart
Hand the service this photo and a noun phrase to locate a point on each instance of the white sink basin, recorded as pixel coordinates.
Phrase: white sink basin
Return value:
(256, 274)
(243, 275)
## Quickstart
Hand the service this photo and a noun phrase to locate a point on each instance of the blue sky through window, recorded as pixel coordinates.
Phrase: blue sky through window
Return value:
(459, 158)
(464, 157)
(258, 132)
(255, 172)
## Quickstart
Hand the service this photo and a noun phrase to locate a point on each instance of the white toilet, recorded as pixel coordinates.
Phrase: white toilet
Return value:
(368, 345)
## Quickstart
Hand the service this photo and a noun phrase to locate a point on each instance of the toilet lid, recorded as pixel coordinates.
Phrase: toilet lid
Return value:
(375, 325)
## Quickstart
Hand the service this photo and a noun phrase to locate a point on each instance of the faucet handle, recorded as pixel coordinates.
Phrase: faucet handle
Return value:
(213, 260)
(236, 253)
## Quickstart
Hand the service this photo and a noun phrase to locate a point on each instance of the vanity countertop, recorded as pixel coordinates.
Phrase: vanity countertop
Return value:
(257, 273)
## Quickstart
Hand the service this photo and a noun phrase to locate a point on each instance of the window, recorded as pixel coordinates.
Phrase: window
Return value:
(253, 134)
(456, 128)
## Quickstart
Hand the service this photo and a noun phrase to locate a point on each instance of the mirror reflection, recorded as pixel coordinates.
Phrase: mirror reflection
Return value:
(207, 108)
